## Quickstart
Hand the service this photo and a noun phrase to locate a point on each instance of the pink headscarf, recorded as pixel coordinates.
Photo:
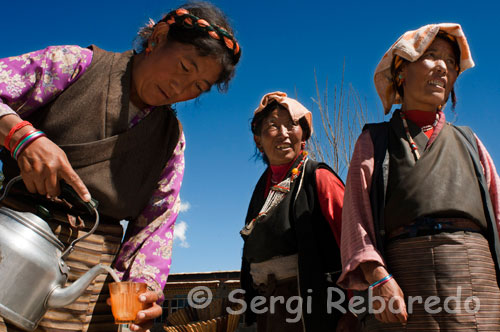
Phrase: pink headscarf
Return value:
(410, 46)
(296, 109)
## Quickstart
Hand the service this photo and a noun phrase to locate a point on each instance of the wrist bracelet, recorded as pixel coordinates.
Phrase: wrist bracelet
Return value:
(18, 143)
(13, 130)
(381, 281)
(25, 142)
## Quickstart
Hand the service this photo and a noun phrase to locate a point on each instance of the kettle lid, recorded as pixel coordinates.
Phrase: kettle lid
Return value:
(35, 223)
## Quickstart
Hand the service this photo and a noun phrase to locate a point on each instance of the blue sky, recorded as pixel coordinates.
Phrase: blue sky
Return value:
(283, 43)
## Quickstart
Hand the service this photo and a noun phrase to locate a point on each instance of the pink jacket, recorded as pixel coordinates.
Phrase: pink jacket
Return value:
(358, 236)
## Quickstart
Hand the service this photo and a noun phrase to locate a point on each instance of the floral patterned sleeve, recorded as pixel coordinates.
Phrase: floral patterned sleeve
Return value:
(32, 80)
(146, 256)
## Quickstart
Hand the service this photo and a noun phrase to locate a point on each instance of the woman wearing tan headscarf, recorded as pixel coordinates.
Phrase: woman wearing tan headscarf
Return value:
(421, 208)
(292, 226)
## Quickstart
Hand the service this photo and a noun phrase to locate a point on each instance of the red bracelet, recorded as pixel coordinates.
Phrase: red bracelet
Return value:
(20, 140)
(13, 131)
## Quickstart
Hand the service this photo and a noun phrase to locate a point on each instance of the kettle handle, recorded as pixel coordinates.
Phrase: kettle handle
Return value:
(66, 190)
(9, 185)
(71, 247)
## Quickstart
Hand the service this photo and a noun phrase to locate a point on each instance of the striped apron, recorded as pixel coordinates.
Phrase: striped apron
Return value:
(437, 265)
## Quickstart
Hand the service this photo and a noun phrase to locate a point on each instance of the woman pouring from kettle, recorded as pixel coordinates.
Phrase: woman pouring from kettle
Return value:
(102, 122)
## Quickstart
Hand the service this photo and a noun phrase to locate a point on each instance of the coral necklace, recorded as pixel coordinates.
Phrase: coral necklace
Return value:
(413, 146)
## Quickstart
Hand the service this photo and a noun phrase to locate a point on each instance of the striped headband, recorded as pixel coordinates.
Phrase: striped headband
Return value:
(182, 17)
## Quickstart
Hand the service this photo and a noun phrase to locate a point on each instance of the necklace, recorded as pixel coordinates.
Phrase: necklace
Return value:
(276, 194)
(413, 146)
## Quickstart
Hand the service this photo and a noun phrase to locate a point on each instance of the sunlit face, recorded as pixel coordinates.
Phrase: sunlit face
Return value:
(429, 80)
(280, 137)
(171, 73)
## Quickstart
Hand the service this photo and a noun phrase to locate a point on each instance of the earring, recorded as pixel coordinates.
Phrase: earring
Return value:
(149, 49)
(401, 79)
(303, 145)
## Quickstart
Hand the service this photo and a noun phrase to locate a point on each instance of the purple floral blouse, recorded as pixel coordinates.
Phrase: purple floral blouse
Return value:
(32, 80)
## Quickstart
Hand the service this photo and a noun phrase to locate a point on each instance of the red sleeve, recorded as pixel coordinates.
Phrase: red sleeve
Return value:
(331, 197)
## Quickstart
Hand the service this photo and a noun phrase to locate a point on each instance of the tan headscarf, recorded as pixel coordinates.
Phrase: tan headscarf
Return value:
(296, 109)
(410, 46)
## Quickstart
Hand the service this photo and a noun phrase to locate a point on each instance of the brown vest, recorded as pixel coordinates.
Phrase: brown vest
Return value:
(442, 183)
(89, 121)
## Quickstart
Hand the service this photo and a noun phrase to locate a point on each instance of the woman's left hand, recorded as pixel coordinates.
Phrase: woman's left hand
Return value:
(146, 317)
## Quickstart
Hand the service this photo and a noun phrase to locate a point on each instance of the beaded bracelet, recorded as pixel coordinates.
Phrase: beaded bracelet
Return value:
(381, 281)
(26, 141)
(13, 130)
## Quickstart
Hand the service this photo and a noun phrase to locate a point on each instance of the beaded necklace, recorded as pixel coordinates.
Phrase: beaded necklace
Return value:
(413, 146)
(276, 194)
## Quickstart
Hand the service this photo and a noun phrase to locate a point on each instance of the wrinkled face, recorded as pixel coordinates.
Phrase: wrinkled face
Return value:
(171, 73)
(280, 137)
(429, 80)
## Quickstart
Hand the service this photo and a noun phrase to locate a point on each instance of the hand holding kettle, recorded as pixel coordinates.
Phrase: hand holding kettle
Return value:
(42, 163)
(34, 286)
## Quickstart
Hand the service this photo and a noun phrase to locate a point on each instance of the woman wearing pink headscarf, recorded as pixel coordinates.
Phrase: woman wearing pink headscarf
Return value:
(421, 209)
(292, 228)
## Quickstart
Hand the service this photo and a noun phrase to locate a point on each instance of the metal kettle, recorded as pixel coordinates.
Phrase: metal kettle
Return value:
(32, 268)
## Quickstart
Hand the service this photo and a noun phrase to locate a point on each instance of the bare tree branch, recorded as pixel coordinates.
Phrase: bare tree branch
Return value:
(340, 125)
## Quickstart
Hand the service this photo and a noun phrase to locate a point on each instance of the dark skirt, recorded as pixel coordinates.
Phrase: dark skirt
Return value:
(458, 266)
(277, 321)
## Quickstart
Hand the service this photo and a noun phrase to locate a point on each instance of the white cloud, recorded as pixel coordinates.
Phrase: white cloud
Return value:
(180, 229)
(185, 206)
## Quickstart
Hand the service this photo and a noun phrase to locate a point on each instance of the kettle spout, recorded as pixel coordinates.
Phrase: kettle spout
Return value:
(61, 297)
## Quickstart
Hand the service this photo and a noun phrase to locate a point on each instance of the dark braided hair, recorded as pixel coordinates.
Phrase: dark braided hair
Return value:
(199, 36)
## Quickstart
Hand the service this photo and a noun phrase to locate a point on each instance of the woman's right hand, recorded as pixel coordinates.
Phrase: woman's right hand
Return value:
(395, 309)
(43, 164)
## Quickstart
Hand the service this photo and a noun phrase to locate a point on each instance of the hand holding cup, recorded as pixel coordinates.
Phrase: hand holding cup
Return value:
(125, 303)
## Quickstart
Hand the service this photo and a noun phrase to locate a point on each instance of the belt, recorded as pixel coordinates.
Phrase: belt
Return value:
(429, 226)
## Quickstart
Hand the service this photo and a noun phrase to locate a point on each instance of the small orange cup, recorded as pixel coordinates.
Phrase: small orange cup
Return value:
(125, 302)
